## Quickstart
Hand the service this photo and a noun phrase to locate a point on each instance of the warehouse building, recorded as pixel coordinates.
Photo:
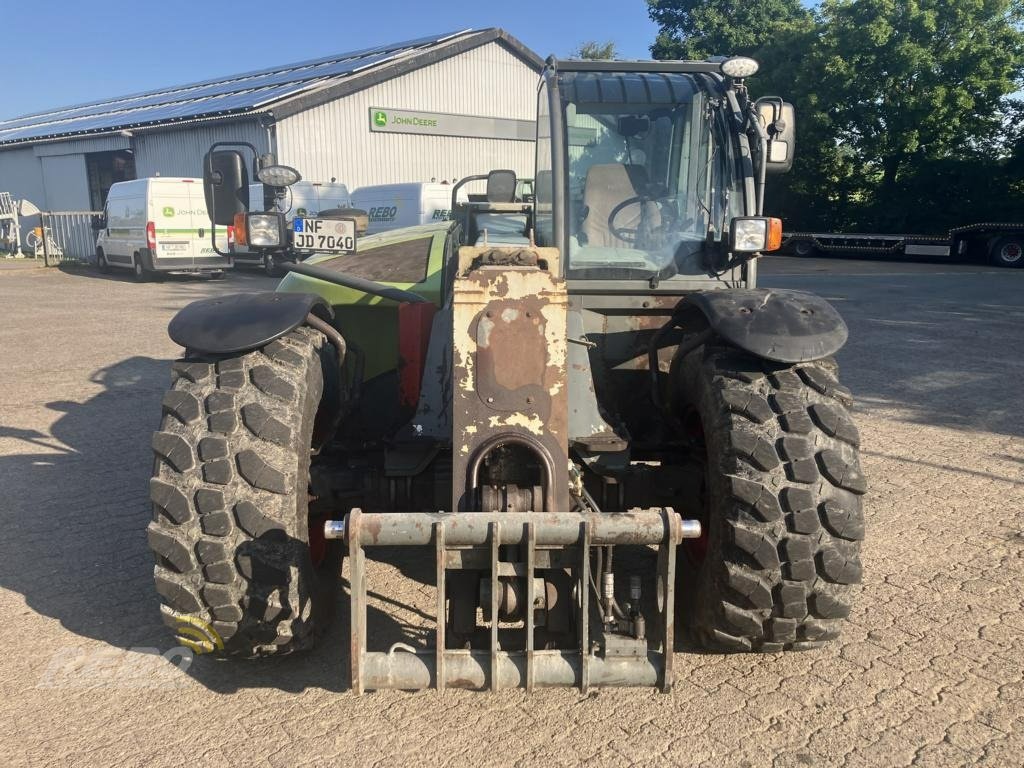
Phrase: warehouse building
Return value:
(442, 107)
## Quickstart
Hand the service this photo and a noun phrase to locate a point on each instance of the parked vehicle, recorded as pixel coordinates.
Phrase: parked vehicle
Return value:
(561, 399)
(302, 199)
(393, 206)
(999, 243)
(158, 225)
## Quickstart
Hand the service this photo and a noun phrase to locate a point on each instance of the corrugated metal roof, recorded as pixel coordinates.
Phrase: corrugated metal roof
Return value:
(237, 94)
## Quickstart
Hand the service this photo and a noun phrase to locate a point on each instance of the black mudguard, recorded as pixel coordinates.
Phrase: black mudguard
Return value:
(243, 321)
(780, 325)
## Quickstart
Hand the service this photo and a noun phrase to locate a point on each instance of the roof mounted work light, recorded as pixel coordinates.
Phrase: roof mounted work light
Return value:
(739, 67)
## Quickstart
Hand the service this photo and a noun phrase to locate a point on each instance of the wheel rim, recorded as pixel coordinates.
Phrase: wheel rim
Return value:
(1011, 252)
(138, 268)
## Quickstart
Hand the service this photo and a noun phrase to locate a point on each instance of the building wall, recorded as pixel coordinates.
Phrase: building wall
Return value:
(67, 187)
(21, 174)
(52, 174)
(334, 139)
(179, 152)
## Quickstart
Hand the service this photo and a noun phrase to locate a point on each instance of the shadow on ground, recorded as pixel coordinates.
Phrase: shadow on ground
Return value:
(954, 349)
(75, 509)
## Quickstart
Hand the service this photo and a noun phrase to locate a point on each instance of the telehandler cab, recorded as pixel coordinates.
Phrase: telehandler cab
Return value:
(524, 392)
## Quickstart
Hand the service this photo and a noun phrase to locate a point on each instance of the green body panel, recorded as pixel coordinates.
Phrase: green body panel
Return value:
(370, 322)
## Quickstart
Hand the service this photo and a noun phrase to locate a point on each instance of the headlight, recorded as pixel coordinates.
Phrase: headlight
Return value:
(739, 66)
(750, 234)
(265, 230)
(278, 176)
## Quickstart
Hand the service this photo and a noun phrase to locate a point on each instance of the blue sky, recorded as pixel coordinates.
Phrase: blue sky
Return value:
(68, 52)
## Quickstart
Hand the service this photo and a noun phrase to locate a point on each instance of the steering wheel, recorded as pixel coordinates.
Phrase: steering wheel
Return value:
(644, 233)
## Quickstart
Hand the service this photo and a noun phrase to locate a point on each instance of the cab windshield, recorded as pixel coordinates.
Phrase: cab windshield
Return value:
(650, 171)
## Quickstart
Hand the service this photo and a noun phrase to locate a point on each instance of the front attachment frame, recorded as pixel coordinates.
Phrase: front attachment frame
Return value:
(473, 540)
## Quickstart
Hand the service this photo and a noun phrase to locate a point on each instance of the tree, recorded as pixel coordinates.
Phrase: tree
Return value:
(906, 83)
(595, 50)
(901, 104)
(696, 29)
(779, 34)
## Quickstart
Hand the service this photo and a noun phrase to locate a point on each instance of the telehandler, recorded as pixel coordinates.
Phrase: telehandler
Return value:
(524, 392)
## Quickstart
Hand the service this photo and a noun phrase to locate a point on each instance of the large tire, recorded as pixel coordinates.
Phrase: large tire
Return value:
(781, 507)
(231, 529)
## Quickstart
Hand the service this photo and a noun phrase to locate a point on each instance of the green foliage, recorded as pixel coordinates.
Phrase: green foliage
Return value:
(696, 29)
(595, 50)
(903, 119)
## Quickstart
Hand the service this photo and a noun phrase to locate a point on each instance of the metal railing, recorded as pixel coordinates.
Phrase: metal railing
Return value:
(65, 237)
(10, 227)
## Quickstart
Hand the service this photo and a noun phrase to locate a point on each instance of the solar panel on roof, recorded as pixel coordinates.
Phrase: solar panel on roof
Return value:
(236, 93)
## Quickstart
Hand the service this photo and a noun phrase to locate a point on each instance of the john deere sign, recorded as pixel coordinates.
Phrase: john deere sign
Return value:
(387, 120)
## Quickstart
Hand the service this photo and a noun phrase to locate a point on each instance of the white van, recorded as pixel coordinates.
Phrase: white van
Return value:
(392, 206)
(305, 198)
(157, 225)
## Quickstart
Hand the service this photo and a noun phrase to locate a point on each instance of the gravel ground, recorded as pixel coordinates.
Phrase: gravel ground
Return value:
(928, 672)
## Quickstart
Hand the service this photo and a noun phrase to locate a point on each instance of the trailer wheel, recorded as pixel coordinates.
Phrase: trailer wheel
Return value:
(781, 502)
(237, 553)
(1008, 251)
(804, 248)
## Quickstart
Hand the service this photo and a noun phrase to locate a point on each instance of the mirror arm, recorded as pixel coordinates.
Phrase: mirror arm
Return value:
(762, 151)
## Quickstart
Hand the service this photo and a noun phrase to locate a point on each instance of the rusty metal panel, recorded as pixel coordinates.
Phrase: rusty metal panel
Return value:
(509, 372)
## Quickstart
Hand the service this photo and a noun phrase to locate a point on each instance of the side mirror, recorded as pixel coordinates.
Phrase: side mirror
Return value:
(501, 187)
(226, 185)
(779, 118)
(98, 223)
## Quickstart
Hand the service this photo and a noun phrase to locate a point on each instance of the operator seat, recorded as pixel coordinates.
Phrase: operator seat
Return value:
(607, 187)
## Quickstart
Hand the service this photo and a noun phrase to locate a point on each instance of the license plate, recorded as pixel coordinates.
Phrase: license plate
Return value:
(328, 235)
(174, 246)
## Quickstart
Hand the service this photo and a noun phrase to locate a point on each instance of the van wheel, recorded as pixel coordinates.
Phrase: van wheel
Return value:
(101, 261)
(142, 275)
(218, 275)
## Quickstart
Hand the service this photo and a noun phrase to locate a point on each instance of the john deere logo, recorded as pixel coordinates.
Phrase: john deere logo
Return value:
(168, 211)
(380, 118)
(198, 635)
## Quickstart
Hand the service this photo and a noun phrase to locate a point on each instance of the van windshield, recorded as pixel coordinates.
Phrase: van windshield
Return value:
(649, 172)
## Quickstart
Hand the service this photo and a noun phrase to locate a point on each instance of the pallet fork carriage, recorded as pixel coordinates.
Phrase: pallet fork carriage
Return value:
(545, 541)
